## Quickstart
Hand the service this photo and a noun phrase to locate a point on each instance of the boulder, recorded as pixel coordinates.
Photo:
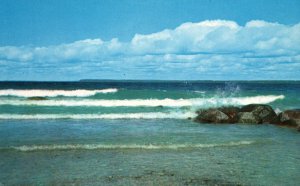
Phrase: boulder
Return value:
(211, 116)
(37, 98)
(231, 112)
(264, 112)
(218, 115)
(290, 118)
(248, 118)
(249, 114)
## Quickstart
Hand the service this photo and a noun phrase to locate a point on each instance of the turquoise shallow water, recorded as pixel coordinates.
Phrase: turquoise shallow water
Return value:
(188, 153)
(137, 133)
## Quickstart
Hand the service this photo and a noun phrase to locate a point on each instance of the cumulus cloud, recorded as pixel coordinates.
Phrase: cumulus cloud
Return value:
(208, 49)
(222, 37)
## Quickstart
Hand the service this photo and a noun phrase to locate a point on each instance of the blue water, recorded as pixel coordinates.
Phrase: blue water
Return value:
(138, 133)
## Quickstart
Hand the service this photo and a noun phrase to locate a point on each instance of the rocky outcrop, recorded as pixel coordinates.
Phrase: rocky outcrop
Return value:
(231, 112)
(212, 116)
(261, 112)
(218, 115)
(248, 118)
(249, 114)
(290, 118)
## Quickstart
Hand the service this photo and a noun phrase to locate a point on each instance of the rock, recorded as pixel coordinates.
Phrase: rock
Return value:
(212, 116)
(263, 112)
(231, 112)
(249, 118)
(37, 98)
(218, 115)
(249, 114)
(290, 118)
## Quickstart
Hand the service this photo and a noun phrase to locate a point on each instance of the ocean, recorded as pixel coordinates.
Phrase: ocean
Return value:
(140, 133)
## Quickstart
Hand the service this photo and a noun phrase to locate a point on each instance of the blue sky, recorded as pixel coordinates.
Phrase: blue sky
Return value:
(176, 39)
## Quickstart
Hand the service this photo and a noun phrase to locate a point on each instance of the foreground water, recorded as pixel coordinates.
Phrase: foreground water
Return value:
(136, 133)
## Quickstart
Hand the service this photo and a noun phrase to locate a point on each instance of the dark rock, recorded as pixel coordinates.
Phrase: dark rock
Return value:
(37, 98)
(218, 115)
(212, 116)
(261, 111)
(249, 118)
(252, 114)
(290, 118)
(231, 112)
(249, 114)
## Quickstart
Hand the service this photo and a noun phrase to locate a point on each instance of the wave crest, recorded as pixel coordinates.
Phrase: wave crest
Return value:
(28, 148)
(196, 102)
(55, 93)
(149, 115)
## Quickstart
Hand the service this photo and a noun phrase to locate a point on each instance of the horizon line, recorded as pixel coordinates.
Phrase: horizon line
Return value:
(98, 80)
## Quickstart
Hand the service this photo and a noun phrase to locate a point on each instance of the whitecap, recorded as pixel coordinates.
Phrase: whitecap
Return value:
(54, 93)
(28, 148)
(195, 102)
(147, 115)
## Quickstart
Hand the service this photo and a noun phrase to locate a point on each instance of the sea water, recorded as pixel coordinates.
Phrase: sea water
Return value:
(139, 133)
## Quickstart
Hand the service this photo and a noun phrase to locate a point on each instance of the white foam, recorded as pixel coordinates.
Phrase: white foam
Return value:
(148, 115)
(256, 99)
(54, 93)
(196, 102)
(28, 148)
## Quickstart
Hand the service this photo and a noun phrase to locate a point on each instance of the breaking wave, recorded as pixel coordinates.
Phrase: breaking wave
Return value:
(149, 115)
(196, 102)
(54, 93)
(28, 148)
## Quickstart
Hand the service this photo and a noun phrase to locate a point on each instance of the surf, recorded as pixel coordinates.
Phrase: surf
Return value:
(194, 102)
(55, 93)
(29, 148)
(149, 115)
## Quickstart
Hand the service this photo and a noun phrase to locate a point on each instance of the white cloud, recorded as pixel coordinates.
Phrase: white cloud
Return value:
(195, 48)
(222, 36)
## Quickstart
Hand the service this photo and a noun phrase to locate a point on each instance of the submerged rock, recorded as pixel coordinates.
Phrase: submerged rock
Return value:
(37, 98)
(290, 118)
(261, 112)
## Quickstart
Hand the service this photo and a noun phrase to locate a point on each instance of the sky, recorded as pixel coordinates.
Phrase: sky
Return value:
(60, 40)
